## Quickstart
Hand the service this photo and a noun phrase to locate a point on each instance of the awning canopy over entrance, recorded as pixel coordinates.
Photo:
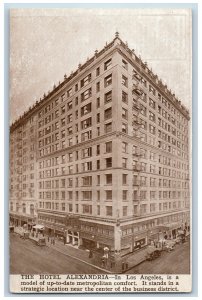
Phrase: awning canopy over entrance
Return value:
(39, 227)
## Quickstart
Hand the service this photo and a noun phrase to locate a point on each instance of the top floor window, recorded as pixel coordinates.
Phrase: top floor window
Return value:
(144, 82)
(108, 64)
(69, 93)
(98, 71)
(86, 80)
(152, 90)
(124, 64)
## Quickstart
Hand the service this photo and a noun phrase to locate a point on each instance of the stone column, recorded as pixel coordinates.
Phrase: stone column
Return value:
(117, 238)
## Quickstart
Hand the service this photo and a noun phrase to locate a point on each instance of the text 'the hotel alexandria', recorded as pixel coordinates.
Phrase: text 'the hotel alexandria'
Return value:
(103, 158)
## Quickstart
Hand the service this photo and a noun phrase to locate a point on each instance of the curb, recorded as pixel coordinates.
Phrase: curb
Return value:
(83, 261)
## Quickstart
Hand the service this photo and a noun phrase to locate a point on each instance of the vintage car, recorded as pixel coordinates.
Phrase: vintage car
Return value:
(169, 246)
(153, 253)
(41, 242)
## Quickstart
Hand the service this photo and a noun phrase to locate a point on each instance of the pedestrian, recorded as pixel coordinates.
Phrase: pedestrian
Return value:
(103, 261)
(53, 241)
(90, 254)
(48, 238)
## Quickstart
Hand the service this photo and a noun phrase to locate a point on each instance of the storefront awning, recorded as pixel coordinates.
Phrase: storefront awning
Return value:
(38, 226)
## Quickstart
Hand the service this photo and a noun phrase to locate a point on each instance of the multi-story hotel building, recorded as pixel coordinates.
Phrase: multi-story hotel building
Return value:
(104, 157)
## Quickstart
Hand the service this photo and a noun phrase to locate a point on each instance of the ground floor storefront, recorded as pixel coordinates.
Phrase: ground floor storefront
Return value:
(124, 236)
(113, 240)
(22, 220)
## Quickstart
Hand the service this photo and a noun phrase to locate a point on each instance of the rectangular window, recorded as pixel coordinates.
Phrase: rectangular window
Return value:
(151, 116)
(108, 113)
(108, 97)
(87, 94)
(85, 80)
(86, 152)
(125, 211)
(152, 103)
(69, 130)
(108, 80)
(86, 109)
(108, 64)
(87, 195)
(62, 110)
(124, 147)
(97, 87)
(109, 162)
(108, 179)
(87, 209)
(124, 128)
(108, 195)
(63, 122)
(108, 147)
(124, 162)
(124, 179)
(124, 113)
(63, 98)
(124, 64)
(98, 102)
(98, 71)
(98, 118)
(152, 90)
(124, 81)
(124, 195)
(69, 93)
(108, 127)
(98, 150)
(108, 210)
(124, 97)
(69, 118)
(69, 105)
(86, 123)
(152, 129)
(86, 136)
(87, 166)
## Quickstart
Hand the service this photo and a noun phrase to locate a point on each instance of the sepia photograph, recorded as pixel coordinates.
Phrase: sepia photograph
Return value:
(100, 150)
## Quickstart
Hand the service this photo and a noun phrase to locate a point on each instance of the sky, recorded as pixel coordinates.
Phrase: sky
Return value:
(45, 44)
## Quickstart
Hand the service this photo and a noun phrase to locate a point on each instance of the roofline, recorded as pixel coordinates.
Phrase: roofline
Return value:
(153, 78)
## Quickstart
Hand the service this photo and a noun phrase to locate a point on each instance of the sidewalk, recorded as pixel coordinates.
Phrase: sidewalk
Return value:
(122, 265)
(119, 265)
(81, 255)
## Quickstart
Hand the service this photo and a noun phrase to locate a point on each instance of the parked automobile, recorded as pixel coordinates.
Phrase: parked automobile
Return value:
(41, 242)
(153, 254)
(169, 246)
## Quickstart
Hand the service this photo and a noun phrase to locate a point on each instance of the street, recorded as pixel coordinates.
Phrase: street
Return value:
(174, 262)
(28, 258)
